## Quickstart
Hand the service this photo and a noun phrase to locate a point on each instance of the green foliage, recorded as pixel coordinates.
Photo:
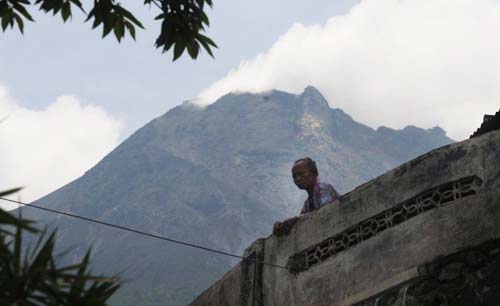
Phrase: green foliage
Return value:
(33, 277)
(7, 219)
(182, 21)
(12, 12)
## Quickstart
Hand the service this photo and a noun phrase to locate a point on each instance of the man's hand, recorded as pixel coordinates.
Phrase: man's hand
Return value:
(283, 228)
(278, 228)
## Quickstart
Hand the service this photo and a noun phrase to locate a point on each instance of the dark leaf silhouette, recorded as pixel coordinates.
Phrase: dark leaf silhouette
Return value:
(182, 21)
(34, 276)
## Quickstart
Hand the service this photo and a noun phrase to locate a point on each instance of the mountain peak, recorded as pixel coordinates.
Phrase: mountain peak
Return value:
(197, 171)
(437, 130)
(313, 100)
(311, 89)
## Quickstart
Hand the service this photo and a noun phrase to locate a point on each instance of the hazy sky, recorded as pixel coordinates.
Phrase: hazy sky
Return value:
(133, 81)
(389, 62)
(70, 97)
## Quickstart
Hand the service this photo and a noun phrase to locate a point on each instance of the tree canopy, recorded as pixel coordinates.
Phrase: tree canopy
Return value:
(182, 21)
(33, 276)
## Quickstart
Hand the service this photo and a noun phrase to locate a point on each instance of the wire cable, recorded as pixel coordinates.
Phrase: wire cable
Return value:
(145, 234)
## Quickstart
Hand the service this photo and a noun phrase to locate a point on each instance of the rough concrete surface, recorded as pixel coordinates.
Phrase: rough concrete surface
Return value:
(385, 234)
(225, 292)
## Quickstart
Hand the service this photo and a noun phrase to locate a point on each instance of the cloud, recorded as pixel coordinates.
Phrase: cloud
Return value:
(45, 149)
(389, 62)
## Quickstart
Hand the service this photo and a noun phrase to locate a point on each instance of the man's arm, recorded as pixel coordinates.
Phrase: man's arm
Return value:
(335, 194)
(329, 194)
(283, 228)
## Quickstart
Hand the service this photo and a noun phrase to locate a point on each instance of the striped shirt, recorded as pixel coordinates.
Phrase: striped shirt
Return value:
(323, 193)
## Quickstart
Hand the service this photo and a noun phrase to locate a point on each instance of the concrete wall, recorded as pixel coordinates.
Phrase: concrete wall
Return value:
(225, 292)
(377, 237)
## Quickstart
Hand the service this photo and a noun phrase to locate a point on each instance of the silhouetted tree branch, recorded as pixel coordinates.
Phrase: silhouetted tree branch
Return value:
(182, 21)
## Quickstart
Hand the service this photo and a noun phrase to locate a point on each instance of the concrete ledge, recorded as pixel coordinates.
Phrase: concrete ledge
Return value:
(441, 212)
(389, 283)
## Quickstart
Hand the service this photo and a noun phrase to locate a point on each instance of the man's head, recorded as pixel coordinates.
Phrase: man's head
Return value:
(305, 173)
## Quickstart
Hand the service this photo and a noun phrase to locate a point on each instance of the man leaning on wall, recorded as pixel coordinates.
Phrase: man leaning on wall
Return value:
(305, 176)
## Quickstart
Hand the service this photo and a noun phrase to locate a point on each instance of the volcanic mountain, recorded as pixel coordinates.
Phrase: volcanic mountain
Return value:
(217, 176)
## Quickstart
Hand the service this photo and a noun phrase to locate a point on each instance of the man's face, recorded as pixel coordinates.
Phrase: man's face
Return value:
(303, 177)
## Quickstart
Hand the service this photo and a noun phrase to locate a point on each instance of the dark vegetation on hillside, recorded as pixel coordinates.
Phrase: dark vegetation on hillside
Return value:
(32, 275)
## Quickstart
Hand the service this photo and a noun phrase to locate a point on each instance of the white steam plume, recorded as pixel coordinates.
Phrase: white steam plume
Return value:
(389, 62)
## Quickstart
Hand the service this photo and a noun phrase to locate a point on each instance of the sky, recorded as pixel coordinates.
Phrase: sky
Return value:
(68, 97)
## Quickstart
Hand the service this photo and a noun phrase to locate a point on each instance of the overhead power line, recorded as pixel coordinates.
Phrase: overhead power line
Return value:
(144, 233)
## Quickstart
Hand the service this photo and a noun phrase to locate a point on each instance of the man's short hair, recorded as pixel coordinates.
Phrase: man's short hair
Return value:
(310, 163)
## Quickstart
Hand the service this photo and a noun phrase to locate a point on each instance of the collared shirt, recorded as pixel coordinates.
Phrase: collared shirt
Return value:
(323, 193)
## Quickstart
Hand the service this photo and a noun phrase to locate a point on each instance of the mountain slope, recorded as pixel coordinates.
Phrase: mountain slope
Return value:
(218, 176)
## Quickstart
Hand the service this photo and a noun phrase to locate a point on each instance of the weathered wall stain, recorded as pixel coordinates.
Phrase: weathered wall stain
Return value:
(467, 278)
